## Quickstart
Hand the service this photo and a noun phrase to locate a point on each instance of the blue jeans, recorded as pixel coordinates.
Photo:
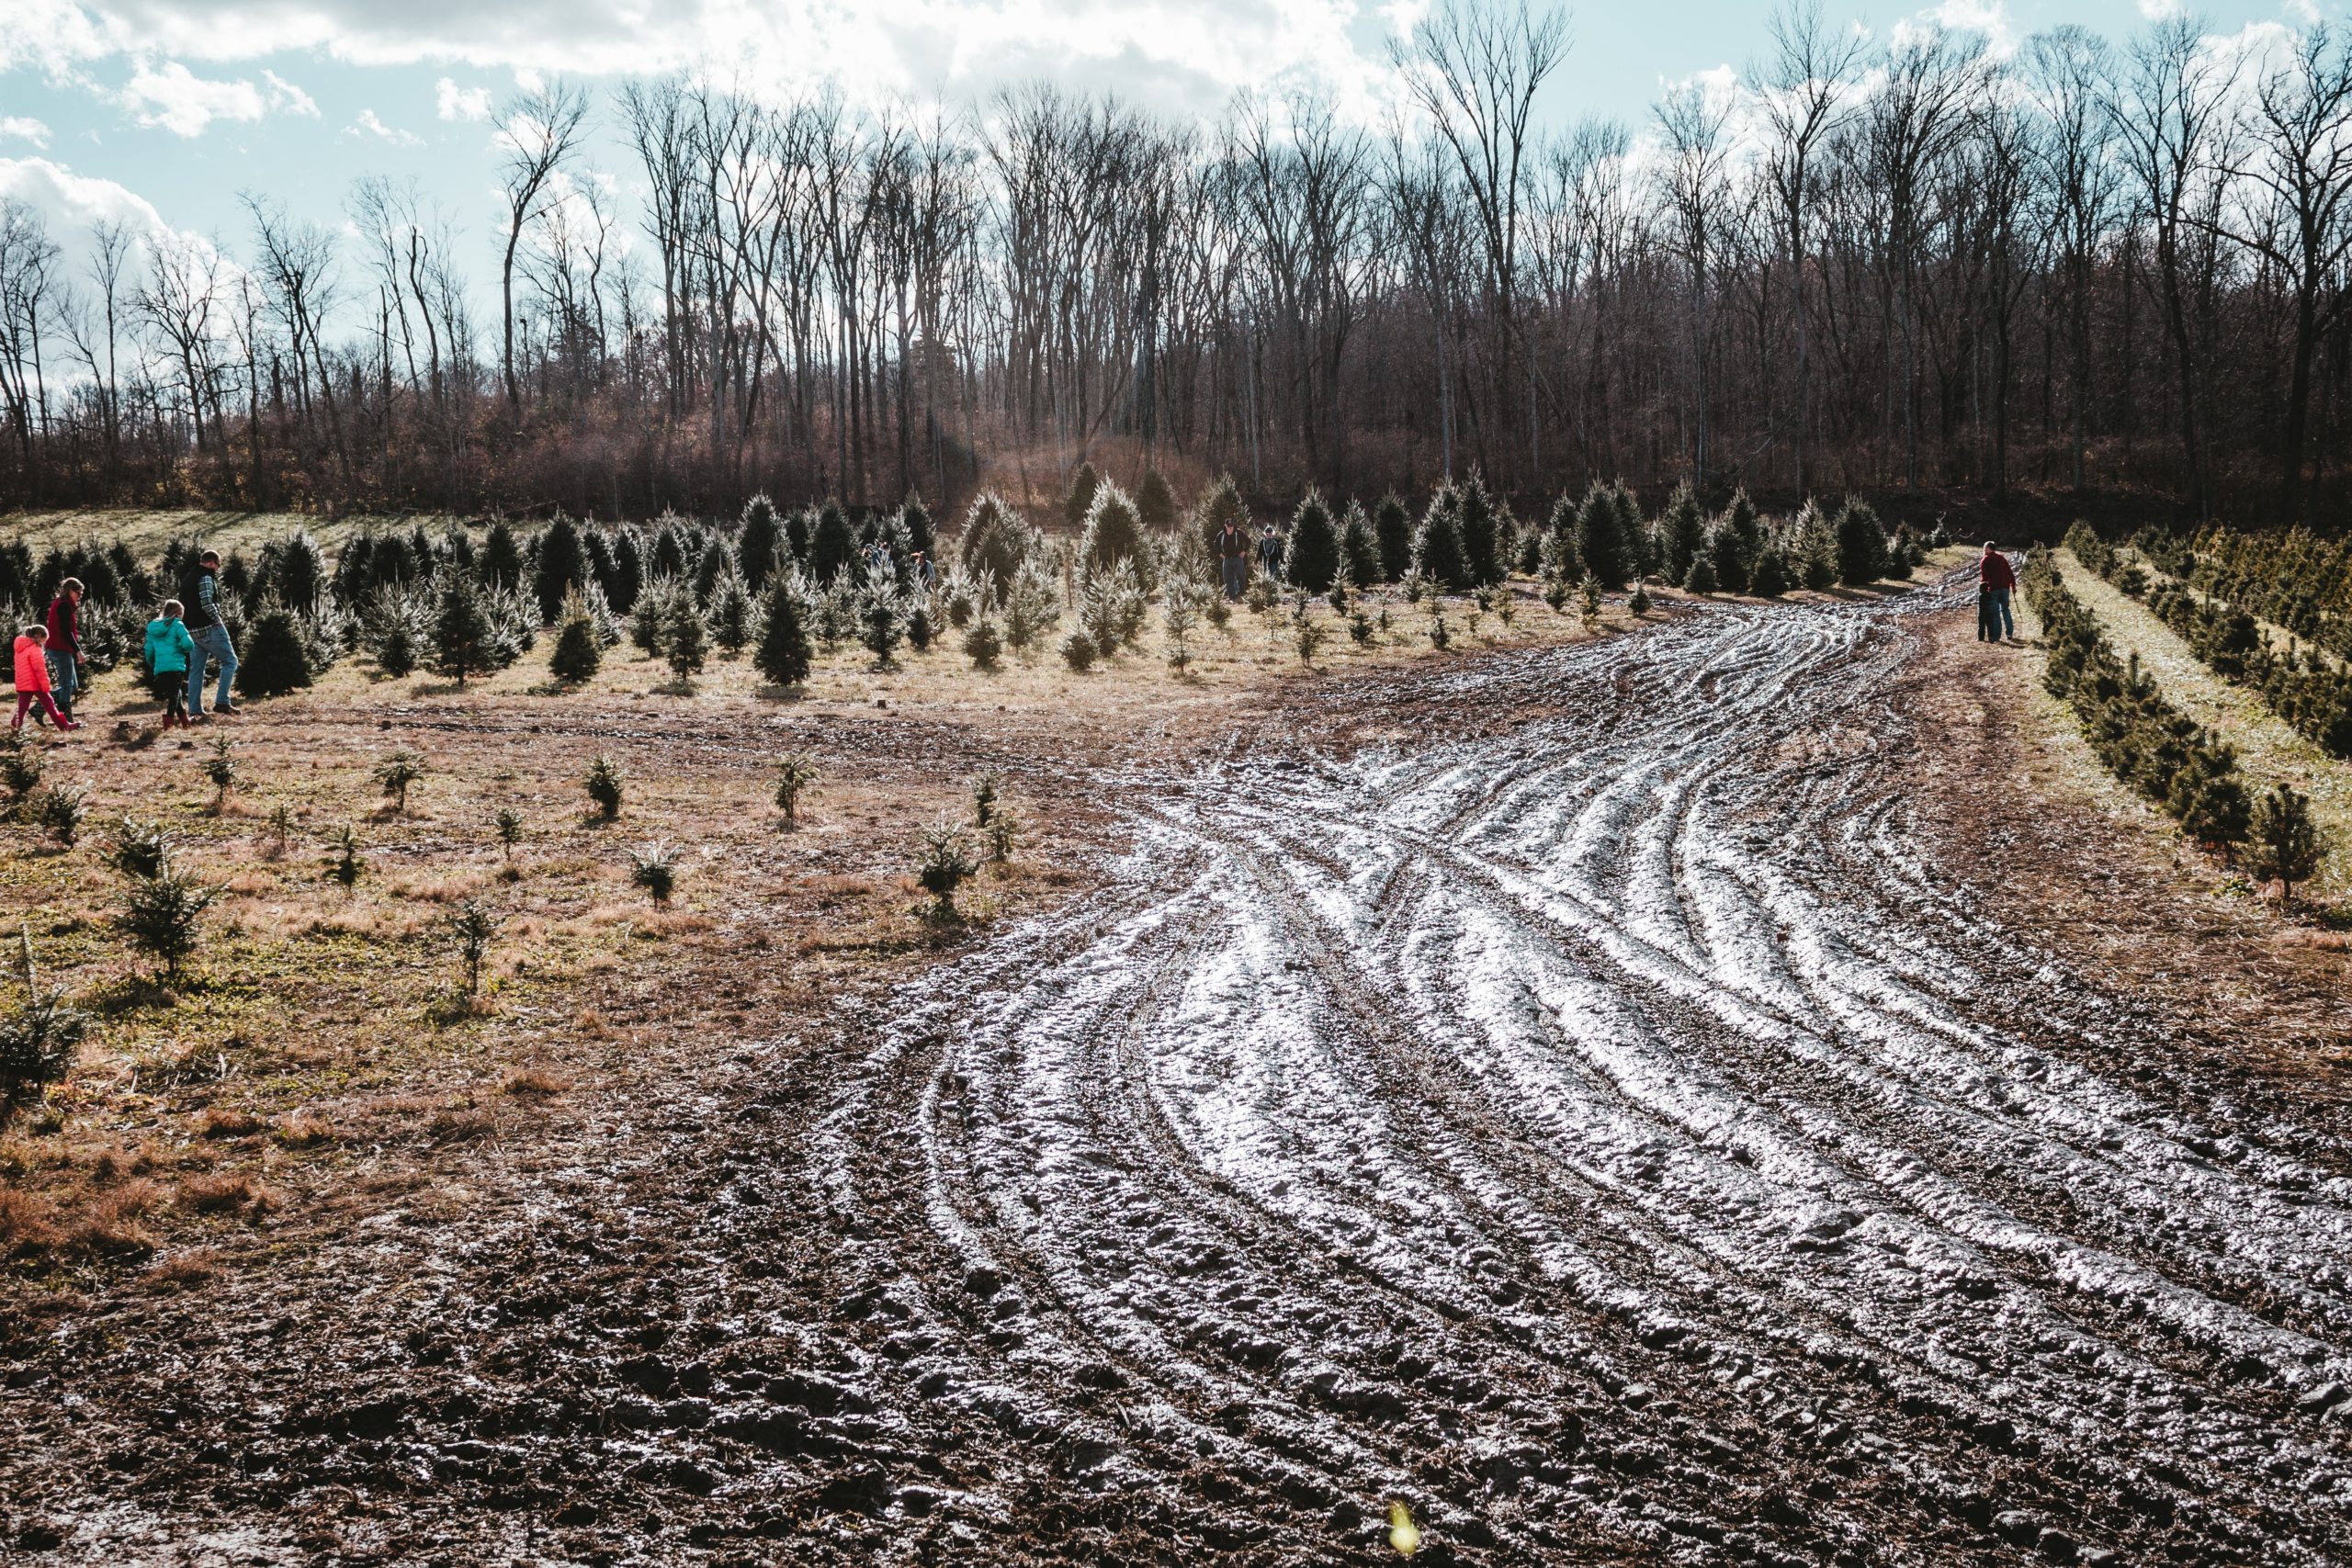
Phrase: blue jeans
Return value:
(211, 642)
(1237, 576)
(62, 678)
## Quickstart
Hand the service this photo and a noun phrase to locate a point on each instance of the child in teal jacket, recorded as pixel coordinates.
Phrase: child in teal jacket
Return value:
(169, 648)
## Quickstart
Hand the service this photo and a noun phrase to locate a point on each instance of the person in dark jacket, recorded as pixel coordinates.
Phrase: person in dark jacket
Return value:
(1269, 551)
(200, 597)
(1233, 555)
(64, 651)
(1995, 580)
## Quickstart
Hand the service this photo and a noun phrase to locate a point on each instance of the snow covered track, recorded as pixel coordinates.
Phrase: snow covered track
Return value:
(1596, 1128)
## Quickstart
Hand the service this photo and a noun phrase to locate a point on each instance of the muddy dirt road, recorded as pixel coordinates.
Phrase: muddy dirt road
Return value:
(1603, 1135)
(1557, 1092)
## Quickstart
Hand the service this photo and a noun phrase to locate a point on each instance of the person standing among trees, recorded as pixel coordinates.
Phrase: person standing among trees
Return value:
(1995, 580)
(200, 597)
(32, 680)
(1269, 550)
(64, 623)
(169, 650)
(1233, 555)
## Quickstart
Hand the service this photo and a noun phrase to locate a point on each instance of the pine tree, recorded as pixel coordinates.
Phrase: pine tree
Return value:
(1155, 502)
(1360, 555)
(579, 651)
(730, 613)
(783, 654)
(1739, 538)
(1701, 576)
(1438, 554)
(1862, 545)
(501, 562)
(1392, 524)
(1312, 561)
(562, 565)
(881, 618)
(1079, 504)
(1681, 532)
(1222, 504)
(277, 658)
(2282, 842)
(1482, 530)
(1641, 560)
(995, 543)
(462, 631)
(668, 556)
(714, 564)
(298, 572)
(914, 518)
(685, 637)
(1114, 531)
(1769, 579)
(832, 546)
(757, 544)
(1600, 540)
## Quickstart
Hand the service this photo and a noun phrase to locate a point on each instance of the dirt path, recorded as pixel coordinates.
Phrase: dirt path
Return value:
(1561, 1092)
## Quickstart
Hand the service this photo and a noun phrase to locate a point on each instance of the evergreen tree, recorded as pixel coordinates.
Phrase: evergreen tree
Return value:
(1438, 552)
(2282, 842)
(730, 613)
(1482, 530)
(799, 535)
(1360, 556)
(277, 658)
(1392, 524)
(685, 637)
(1078, 506)
(1682, 531)
(914, 520)
(1862, 545)
(1600, 539)
(995, 544)
(1770, 577)
(881, 618)
(716, 563)
(757, 546)
(669, 557)
(1641, 560)
(783, 654)
(833, 545)
(562, 565)
(1739, 538)
(627, 579)
(1155, 502)
(579, 651)
(501, 562)
(298, 573)
(1220, 505)
(1312, 561)
(462, 631)
(1700, 579)
(1114, 531)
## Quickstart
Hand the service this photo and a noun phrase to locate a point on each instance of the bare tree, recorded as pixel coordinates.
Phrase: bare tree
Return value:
(1803, 95)
(537, 130)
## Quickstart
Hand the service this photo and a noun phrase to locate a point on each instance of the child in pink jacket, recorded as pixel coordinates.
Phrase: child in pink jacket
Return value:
(33, 679)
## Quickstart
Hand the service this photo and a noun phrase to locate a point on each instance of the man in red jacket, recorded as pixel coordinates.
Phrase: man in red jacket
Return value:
(1995, 579)
(64, 623)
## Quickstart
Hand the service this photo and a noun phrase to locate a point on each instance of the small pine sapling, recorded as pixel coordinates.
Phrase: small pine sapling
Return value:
(1439, 638)
(987, 791)
(472, 930)
(1309, 639)
(344, 863)
(397, 774)
(38, 1042)
(58, 811)
(1360, 628)
(983, 644)
(509, 826)
(20, 765)
(579, 651)
(685, 638)
(222, 771)
(1078, 651)
(1178, 617)
(603, 784)
(943, 864)
(2282, 842)
(162, 915)
(280, 828)
(140, 849)
(654, 867)
(1638, 601)
(795, 775)
(1589, 602)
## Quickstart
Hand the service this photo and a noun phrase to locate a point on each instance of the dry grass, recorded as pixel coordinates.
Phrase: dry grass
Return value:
(532, 1081)
(219, 1123)
(228, 1191)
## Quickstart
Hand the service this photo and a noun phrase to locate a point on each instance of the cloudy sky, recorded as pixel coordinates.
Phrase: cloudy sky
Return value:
(162, 111)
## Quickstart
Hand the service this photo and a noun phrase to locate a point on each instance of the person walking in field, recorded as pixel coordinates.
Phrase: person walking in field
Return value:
(201, 604)
(1233, 555)
(169, 650)
(1995, 580)
(33, 679)
(64, 625)
(1270, 550)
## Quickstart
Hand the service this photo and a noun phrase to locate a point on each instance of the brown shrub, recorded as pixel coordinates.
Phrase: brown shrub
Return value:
(24, 1224)
(229, 1123)
(227, 1192)
(532, 1080)
(302, 1130)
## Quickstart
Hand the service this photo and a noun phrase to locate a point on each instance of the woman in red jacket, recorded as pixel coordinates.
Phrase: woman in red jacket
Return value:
(1994, 579)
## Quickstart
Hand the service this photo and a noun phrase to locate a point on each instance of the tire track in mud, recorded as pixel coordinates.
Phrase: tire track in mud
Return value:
(1604, 1133)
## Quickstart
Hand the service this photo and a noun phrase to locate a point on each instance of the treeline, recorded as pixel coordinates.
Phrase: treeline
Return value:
(1873, 265)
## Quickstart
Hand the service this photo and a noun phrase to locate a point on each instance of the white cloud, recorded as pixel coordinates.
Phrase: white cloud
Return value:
(2160, 10)
(286, 98)
(453, 102)
(1164, 55)
(183, 102)
(24, 126)
(367, 124)
(1990, 17)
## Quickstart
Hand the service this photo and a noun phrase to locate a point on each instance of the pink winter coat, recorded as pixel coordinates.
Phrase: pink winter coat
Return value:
(32, 665)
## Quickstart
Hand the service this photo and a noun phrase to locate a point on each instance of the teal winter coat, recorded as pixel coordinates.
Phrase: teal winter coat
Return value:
(168, 647)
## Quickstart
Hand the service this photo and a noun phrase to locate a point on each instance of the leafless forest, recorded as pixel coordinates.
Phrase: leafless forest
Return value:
(2112, 266)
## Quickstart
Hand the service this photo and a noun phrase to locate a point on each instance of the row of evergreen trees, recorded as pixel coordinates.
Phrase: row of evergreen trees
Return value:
(2311, 691)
